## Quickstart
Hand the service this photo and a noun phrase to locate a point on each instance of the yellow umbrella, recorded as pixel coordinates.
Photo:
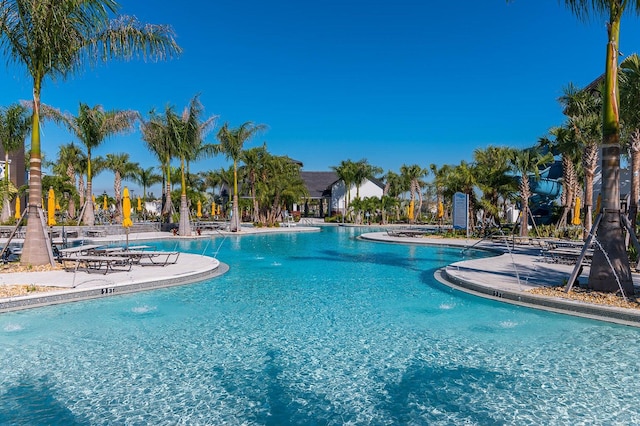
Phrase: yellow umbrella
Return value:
(93, 198)
(213, 209)
(219, 208)
(51, 207)
(126, 208)
(18, 212)
(411, 208)
(139, 204)
(440, 210)
(104, 202)
(576, 212)
(199, 212)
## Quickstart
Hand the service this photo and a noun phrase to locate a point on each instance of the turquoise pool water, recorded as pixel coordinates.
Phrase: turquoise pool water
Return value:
(318, 329)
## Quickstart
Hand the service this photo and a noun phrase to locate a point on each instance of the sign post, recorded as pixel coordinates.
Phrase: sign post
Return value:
(461, 211)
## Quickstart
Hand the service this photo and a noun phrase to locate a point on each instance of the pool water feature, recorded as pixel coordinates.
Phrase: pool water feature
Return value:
(313, 328)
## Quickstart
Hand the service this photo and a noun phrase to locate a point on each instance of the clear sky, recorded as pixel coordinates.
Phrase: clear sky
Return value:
(394, 82)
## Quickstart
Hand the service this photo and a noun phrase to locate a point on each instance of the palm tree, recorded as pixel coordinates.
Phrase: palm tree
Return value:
(629, 101)
(92, 127)
(122, 168)
(363, 171)
(54, 38)
(412, 175)
(527, 162)
(566, 143)
(14, 126)
(491, 166)
(230, 144)
(146, 177)
(346, 171)
(70, 161)
(583, 108)
(155, 133)
(187, 135)
(602, 276)
(254, 162)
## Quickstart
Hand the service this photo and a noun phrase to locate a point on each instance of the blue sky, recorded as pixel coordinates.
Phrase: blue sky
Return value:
(394, 82)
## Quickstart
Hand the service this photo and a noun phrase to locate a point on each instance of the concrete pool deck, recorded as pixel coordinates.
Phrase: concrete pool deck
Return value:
(506, 277)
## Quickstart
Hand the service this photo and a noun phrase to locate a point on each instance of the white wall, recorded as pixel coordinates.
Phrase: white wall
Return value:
(367, 189)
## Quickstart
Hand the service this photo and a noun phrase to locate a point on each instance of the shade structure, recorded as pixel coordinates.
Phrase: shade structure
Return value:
(104, 202)
(139, 204)
(126, 208)
(18, 213)
(440, 210)
(576, 212)
(199, 211)
(51, 208)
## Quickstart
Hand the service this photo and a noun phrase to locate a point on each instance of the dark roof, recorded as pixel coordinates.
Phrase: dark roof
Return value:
(319, 183)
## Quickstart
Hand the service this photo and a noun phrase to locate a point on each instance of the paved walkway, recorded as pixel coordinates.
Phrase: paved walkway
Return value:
(510, 275)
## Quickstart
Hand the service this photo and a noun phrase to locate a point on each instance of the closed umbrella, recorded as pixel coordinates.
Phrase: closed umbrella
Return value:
(51, 207)
(411, 208)
(576, 212)
(213, 209)
(139, 204)
(17, 215)
(440, 210)
(199, 211)
(126, 212)
(104, 202)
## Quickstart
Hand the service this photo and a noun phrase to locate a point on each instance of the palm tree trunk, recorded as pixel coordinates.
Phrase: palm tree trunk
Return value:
(36, 249)
(234, 226)
(610, 269)
(635, 178)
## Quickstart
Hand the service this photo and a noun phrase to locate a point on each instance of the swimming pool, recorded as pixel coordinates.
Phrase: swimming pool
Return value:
(314, 328)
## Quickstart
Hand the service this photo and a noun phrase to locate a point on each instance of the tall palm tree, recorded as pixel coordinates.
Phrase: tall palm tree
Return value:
(527, 162)
(230, 144)
(92, 126)
(14, 127)
(187, 134)
(602, 276)
(122, 168)
(155, 133)
(54, 38)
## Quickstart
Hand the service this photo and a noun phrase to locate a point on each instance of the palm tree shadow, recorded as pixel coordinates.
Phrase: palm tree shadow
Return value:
(33, 401)
(444, 390)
